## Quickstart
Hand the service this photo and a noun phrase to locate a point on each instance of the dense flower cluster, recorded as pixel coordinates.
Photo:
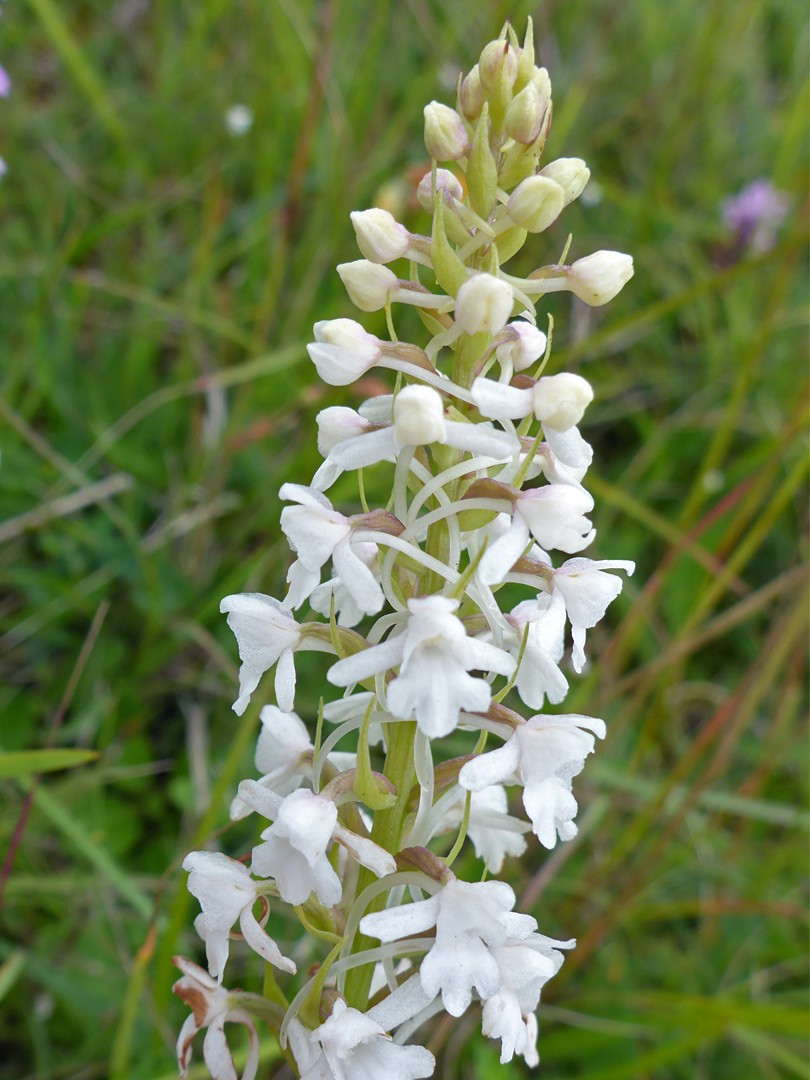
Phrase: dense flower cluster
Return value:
(487, 467)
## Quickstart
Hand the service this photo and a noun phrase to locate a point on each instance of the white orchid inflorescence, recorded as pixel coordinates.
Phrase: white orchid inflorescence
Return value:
(487, 466)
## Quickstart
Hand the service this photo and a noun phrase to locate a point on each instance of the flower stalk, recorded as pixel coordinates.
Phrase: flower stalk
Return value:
(486, 466)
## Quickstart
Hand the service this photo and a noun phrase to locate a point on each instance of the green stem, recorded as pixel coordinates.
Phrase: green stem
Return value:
(387, 832)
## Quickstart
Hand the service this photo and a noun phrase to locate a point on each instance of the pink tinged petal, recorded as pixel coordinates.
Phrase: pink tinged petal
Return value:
(569, 447)
(5, 82)
(401, 922)
(500, 557)
(285, 681)
(184, 1041)
(496, 767)
(551, 808)
(481, 439)
(402, 1004)
(336, 424)
(502, 402)
(357, 577)
(217, 1055)
(362, 665)
(260, 799)
(262, 944)
(366, 852)
(454, 969)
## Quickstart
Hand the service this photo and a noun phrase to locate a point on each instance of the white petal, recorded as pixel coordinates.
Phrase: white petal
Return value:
(285, 681)
(262, 943)
(358, 578)
(500, 557)
(217, 1055)
(362, 665)
(454, 969)
(363, 450)
(402, 921)
(501, 402)
(569, 447)
(366, 852)
(401, 1004)
(496, 767)
(481, 439)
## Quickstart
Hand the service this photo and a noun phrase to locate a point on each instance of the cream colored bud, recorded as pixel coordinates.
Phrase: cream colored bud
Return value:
(542, 84)
(472, 96)
(498, 66)
(445, 135)
(599, 277)
(571, 173)
(418, 416)
(368, 284)
(523, 345)
(560, 400)
(445, 182)
(535, 203)
(483, 304)
(525, 114)
(380, 237)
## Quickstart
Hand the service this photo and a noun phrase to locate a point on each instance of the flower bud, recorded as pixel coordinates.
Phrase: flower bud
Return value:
(599, 277)
(497, 66)
(542, 84)
(472, 96)
(522, 346)
(336, 424)
(446, 183)
(535, 203)
(368, 284)
(560, 400)
(418, 416)
(524, 117)
(571, 173)
(483, 304)
(342, 350)
(380, 237)
(445, 135)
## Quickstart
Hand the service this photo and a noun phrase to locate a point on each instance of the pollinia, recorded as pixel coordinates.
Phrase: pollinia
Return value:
(480, 440)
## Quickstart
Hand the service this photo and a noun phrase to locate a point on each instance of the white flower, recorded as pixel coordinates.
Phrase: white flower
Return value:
(597, 278)
(282, 746)
(351, 1046)
(483, 304)
(554, 515)
(447, 187)
(557, 401)
(316, 533)
(380, 237)
(343, 350)
(587, 591)
(435, 655)
(471, 919)
(525, 966)
(226, 893)
(266, 633)
(542, 754)
(445, 135)
(418, 419)
(521, 345)
(294, 847)
(212, 1006)
(539, 674)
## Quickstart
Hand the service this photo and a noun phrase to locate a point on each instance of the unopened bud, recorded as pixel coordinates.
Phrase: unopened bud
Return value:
(599, 277)
(342, 350)
(445, 135)
(535, 203)
(571, 173)
(524, 117)
(498, 66)
(368, 284)
(445, 183)
(483, 304)
(472, 96)
(560, 400)
(523, 344)
(418, 416)
(542, 84)
(380, 237)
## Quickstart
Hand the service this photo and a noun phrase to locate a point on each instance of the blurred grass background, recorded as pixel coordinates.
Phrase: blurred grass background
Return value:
(158, 280)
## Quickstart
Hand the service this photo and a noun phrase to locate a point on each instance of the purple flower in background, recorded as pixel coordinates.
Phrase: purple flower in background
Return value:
(5, 81)
(755, 214)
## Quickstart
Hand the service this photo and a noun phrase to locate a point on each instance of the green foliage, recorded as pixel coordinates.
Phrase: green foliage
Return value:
(158, 281)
